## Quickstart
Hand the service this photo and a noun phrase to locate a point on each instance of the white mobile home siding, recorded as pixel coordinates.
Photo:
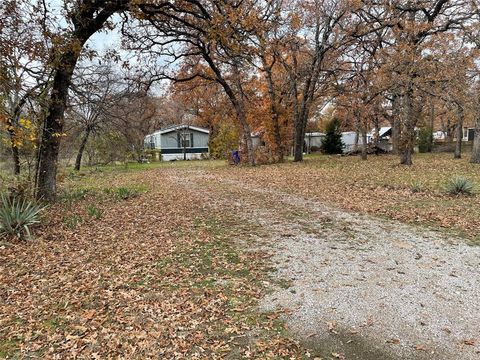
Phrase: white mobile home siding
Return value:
(170, 146)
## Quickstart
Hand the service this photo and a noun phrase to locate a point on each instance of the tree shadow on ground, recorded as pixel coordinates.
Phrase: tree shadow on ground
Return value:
(343, 344)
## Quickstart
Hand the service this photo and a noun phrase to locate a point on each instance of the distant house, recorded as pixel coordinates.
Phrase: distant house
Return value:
(384, 132)
(439, 135)
(349, 137)
(257, 139)
(179, 142)
(313, 141)
(468, 134)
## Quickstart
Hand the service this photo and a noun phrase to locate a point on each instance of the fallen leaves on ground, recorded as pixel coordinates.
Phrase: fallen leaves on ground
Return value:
(157, 276)
(161, 274)
(377, 186)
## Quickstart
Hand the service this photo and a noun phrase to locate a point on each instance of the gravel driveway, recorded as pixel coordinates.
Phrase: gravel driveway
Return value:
(358, 287)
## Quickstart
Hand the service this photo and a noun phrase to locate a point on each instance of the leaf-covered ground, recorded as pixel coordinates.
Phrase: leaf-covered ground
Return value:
(155, 275)
(130, 264)
(380, 186)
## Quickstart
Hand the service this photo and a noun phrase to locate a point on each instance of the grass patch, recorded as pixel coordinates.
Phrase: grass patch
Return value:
(73, 195)
(124, 193)
(54, 323)
(235, 279)
(9, 347)
(94, 212)
(130, 167)
(71, 221)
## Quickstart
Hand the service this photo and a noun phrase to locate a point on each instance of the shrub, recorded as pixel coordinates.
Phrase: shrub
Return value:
(332, 143)
(225, 140)
(126, 193)
(17, 216)
(425, 140)
(460, 186)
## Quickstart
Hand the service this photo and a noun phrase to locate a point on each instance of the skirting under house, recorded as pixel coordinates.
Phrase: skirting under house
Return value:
(178, 154)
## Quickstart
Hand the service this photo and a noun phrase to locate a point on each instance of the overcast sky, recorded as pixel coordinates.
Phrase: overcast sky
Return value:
(103, 40)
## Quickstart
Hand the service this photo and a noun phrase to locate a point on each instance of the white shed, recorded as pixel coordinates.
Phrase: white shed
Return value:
(348, 138)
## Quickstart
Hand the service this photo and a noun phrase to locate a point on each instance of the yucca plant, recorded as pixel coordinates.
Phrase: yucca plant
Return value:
(460, 186)
(17, 216)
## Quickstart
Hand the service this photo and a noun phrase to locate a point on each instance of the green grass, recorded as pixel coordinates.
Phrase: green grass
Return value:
(8, 347)
(94, 212)
(135, 166)
(71, 221)
(54, 323)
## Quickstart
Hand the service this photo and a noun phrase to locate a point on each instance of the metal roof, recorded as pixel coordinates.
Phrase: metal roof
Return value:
(171, 128)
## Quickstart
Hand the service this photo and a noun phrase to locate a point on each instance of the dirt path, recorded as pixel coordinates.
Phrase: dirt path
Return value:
(354, 286)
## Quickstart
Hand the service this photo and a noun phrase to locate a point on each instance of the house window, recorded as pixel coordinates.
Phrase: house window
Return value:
(185, 139)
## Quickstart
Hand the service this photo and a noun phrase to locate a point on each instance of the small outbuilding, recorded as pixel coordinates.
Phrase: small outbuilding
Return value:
(313, 141)
(349, 138)
(179, 142)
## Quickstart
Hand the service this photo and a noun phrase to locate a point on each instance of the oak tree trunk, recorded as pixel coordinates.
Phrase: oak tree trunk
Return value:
(300, 122)
(87, 20)
(459, 131)
(237, 102)
(298, 140)
(78, 160)
(406, 156)
(53, 127)
(407, 132)
(364, 144)
(396, 124)
(247, 137)
(475, 159)
(14, 149)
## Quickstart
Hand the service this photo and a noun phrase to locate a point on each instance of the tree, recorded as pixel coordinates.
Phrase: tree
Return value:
(408, 27)
(23, 77)
(332, 143)
(268, 41)
(313, 47)
(93, 89)
(207, 38)
(133, 115)
(475, 158)
(84, 18)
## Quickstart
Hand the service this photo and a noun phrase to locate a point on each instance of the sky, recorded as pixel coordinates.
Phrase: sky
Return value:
(111, 39)
(101, 41)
